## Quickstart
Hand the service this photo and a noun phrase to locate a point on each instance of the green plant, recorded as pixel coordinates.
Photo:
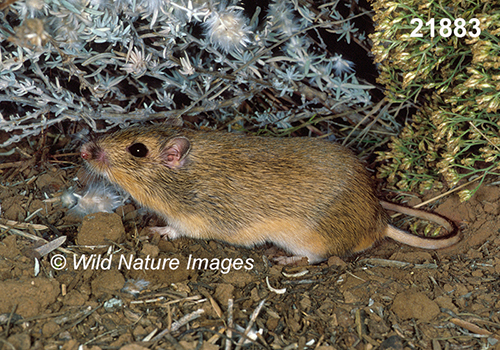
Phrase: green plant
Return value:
(455, 81)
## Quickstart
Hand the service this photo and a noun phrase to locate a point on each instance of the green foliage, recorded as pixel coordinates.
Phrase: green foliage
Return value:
(456, 83)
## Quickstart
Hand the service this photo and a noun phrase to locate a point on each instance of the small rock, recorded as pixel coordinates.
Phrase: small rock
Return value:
(107, 283)
(32, 296)
(392, 343)
(21, 341)
(101, 228)
(416, 305)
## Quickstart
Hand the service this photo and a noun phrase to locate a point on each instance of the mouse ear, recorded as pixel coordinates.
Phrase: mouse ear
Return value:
(175, 152)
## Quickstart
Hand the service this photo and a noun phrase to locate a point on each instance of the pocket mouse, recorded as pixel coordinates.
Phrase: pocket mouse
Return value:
(311, 197)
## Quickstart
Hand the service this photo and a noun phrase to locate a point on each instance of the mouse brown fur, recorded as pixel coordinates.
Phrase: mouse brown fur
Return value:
(311, 197)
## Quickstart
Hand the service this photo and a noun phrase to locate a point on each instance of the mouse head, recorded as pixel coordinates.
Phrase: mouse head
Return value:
(137, 155)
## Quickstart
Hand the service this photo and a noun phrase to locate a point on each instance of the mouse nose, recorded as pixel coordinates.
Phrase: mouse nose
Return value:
(94, 153)
(90, 151)
(85, 152)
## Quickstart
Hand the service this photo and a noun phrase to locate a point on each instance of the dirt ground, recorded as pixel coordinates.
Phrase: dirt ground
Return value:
(121, 288)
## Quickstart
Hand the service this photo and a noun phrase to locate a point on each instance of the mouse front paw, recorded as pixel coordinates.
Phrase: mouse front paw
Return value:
(166, 232)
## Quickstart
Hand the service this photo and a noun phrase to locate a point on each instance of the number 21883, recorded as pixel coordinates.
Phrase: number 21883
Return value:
(447, 28)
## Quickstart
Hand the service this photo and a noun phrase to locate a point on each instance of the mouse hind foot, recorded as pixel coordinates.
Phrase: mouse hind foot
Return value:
(288, 260)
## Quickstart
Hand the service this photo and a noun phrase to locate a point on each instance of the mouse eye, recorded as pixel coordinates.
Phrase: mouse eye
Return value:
(138, 150)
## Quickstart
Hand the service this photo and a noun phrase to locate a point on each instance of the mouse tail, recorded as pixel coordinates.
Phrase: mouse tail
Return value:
(421, 242)
(419, 213)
